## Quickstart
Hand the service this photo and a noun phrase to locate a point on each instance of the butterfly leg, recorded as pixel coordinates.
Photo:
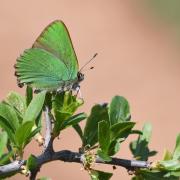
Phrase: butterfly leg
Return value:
(36, 91)
(60, 90)
(78, 92)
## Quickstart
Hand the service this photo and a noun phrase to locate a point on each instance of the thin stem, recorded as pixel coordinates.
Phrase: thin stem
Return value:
(48, 145)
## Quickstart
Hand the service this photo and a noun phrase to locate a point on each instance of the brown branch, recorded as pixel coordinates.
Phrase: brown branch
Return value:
(68, 156)
(13, 167)
(48, 144)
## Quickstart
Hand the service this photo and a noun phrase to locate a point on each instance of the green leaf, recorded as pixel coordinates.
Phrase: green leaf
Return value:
(38, 120)
(22, 134)
(154, 175)
(114, 147)
(8, 128)
(119, 110)
(31, 162)
(103, 155)
(98, 113)
(3, 142)
(44, 178)
(139, 148)
(170, 165)
(73, 120)
(64, 106)
(78, 129)
(175, 173)
(17, 102)
(136, 178)
(121, 130)
(8, 113)
(33, 132)
(167, 155)
(65, 102)
(152, 153)
(136, 132)
(34, 107)
(147, 130)
(104, 136)
(104, 140)
(48, 100)
(176, 154)
(100, 175)
(5, 158)
(29, 95)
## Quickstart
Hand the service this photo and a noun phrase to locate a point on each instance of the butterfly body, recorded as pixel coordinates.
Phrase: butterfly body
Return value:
(51, 64)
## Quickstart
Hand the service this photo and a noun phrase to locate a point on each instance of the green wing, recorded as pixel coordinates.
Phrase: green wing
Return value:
(56, 40)
(41, 69)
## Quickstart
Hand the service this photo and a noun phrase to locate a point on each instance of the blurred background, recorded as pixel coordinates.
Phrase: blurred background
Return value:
(138, 43)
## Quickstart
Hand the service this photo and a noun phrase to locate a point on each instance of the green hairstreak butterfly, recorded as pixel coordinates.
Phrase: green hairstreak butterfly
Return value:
(51, 64)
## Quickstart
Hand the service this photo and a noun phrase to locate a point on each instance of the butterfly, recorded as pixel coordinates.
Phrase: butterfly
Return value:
(51, 64)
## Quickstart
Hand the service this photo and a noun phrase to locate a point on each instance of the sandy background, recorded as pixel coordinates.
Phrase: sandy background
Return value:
(139, 58)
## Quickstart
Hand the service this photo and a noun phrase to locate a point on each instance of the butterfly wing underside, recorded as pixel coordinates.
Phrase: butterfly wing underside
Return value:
(52, 62)
(40, 69)
(56, 39)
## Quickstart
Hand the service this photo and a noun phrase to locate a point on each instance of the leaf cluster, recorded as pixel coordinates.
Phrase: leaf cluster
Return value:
(106, 127)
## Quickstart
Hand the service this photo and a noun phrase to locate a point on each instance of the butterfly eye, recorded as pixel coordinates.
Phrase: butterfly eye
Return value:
(80, 76)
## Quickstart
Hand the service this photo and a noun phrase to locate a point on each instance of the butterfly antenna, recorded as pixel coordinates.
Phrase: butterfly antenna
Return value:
(88, 62)
(85, 70)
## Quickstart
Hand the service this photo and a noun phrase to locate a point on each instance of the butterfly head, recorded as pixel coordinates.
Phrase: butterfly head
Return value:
(80, 76)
